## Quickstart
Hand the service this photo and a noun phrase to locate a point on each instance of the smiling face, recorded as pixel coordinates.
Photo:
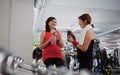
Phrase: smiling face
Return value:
(52, 23)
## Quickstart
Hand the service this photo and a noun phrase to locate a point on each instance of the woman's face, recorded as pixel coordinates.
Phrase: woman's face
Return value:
(52, 23)
(81, 23)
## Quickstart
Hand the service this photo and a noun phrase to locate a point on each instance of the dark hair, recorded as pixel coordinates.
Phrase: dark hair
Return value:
(47, 28)
(86, 18)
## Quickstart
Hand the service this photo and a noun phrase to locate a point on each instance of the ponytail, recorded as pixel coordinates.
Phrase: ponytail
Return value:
(92, 25)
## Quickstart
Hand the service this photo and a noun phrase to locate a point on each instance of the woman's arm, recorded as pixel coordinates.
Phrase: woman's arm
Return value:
(42, 43)
(88, 37)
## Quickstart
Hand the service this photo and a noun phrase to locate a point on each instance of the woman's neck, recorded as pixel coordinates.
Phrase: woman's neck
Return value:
(52, 30)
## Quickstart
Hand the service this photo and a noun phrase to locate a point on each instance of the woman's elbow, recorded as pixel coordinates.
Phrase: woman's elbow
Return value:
(85, 49)
(62, 46)
(41, 47)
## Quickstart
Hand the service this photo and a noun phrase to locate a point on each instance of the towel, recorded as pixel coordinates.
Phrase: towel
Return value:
(81, 37)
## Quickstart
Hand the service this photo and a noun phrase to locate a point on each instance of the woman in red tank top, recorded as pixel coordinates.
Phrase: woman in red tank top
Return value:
(51, 43)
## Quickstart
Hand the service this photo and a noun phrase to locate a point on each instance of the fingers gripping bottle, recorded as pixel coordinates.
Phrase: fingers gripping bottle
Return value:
(69, 33)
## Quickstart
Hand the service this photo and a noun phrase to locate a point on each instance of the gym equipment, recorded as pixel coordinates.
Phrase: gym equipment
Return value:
(102, 61)
(37, 53)
(10, 63)
(15, 65)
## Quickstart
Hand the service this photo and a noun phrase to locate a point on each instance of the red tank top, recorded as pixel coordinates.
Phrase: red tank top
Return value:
(51, 51)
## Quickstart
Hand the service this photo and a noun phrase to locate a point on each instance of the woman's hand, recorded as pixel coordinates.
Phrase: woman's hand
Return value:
(50, 39)
(58, 38)
(70, 39)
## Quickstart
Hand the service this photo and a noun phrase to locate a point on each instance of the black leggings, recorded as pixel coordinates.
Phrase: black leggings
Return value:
(85, 65)
(54, 61)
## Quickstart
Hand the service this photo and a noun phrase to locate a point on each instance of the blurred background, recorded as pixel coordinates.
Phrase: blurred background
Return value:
(105, 17)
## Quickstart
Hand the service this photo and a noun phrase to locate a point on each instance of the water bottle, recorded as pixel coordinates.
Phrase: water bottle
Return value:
(53, 42)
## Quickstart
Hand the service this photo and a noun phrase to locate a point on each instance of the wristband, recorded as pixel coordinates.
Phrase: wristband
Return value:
(75, 43)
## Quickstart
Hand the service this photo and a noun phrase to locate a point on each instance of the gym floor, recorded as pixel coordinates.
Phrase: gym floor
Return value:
(25, 72)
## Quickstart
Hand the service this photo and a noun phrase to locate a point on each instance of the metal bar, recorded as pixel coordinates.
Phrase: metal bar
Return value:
(107, 32)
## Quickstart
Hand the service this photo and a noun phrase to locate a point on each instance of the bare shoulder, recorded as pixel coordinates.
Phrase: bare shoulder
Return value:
(90, 31)
(43, 33)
